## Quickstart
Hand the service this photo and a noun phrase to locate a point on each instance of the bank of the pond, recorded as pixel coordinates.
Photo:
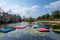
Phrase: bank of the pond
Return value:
(50, 21)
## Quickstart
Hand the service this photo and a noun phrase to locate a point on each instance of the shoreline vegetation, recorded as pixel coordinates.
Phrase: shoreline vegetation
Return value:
(55, 22)
(7, 17)
(53, 17)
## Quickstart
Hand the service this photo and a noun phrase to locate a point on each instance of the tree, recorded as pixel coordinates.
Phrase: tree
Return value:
(43, 17)
(56, 14)
(47, 16)
(51, 18)
(39, 18)
(30, 19)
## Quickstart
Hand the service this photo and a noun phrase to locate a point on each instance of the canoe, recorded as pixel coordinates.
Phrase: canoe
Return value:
(35, 26)
(40, 26)
(19, 27)
(43, 29)
(44, 26)
(5, 30)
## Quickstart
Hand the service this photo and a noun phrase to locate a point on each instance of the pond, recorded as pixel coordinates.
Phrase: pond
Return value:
(27, 33)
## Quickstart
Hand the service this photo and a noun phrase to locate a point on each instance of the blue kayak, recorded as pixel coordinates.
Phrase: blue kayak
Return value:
(40, 26)
(5, 30)
(35, 26)
(45, 26)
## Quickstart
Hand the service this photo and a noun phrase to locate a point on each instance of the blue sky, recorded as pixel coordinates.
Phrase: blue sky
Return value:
(28, 8)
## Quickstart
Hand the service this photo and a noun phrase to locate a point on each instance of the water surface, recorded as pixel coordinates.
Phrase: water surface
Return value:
(27, 33)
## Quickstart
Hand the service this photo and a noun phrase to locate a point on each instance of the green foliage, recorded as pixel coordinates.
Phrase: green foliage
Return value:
(51, 18)
(43, 16)
(30, 19)
(38, 18)
(55, 15)
(47, 16)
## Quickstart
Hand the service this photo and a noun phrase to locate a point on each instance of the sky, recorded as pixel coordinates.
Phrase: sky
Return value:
(33, 8)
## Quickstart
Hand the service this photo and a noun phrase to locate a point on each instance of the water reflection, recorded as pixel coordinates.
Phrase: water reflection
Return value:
(56, 32)
(27, 34)
(23, 35)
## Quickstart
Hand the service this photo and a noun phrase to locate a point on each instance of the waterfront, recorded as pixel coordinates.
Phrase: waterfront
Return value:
(27, 33)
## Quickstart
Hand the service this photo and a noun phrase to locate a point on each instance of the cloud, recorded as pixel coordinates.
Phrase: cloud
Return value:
(53, 5)
(35, 7)
(17, 9)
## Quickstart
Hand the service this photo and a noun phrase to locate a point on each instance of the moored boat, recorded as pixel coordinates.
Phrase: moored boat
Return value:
(43, 29)
(19, 27)
(5, 30)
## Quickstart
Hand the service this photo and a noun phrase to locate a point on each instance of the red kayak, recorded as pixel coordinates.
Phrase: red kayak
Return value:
(43, 29)
(19, 27)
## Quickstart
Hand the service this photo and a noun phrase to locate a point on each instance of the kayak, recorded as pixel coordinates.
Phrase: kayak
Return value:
(35, 26)
(5, 30)
(43, 29)
(19, 27)
(44, 26)
(40, 26)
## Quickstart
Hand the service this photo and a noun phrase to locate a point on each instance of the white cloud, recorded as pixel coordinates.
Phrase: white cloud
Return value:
(16, 8)
(19, 9)
(54, 5)
(35, 7)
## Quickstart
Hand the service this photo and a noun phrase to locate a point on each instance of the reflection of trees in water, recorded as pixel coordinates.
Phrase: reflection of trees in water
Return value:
(57, 32)
(3, 26)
